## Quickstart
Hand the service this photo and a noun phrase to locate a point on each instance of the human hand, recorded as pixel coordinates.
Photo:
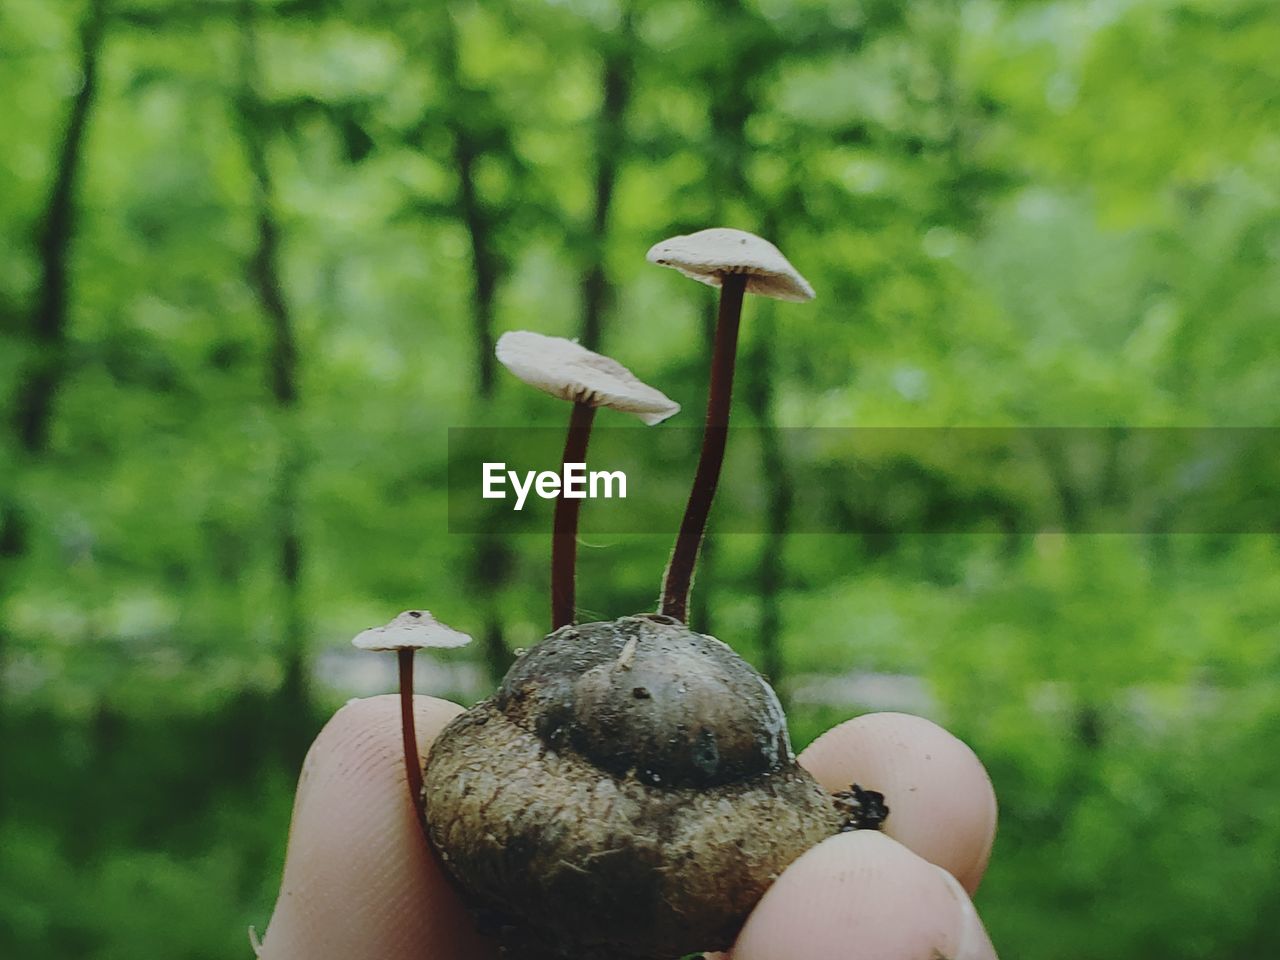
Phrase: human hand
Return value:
(360, 882)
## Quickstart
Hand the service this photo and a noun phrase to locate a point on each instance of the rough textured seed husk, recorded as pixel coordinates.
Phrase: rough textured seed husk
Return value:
(640, 826)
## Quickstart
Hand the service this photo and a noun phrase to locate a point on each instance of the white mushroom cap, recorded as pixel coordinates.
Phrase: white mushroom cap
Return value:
(571, 372)
(710, 254)
(416, 629)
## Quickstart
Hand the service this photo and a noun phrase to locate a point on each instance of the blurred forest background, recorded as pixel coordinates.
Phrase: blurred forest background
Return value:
(253, 259)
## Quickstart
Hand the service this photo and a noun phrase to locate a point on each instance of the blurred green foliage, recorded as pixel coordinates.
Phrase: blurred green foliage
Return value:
(254, 256)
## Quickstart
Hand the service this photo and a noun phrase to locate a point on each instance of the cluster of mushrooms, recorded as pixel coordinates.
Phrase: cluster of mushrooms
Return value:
(630, 790)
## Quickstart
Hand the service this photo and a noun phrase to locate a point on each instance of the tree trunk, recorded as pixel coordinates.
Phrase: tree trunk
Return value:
(264, 276)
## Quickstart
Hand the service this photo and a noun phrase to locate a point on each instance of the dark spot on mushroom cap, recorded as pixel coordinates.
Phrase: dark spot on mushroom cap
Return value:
(415, 613)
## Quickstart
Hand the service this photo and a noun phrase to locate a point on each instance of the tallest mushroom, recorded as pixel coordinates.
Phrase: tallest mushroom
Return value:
(738, 263)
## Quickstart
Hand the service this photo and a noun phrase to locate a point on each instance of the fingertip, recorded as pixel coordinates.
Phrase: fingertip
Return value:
(359, 878)
(430, 715)
(340, 739)
(862, 896)
(941, 801)
(854, 895)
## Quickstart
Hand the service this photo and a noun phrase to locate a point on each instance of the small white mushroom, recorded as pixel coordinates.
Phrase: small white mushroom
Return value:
(413, 629)
(571, 372)
(708, 255)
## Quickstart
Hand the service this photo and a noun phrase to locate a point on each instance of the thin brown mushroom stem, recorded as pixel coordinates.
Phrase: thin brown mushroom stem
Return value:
(564, 536)
(684, 556)
(412, 761)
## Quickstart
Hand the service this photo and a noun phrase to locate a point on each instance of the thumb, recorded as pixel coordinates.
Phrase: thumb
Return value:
(863, 896)
(359, 879)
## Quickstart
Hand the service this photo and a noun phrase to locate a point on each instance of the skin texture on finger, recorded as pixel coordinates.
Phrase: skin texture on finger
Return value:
(941, 802)
(863, 896)
(360, 882)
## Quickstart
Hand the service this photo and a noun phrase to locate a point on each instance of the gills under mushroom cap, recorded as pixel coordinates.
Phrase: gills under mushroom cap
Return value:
(413, 629)
(571, 372)
(708, 255)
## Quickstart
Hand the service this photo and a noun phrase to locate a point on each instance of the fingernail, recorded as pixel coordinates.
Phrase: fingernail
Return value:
(972, 942)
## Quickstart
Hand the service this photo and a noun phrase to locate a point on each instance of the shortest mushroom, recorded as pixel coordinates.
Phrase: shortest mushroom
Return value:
(412, 630)
(588, 380)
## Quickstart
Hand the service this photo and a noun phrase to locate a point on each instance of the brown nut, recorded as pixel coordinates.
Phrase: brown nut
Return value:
(629, 792)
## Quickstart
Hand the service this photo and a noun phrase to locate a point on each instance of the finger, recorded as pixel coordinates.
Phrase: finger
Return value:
(941, 802)
(863, 896)
(360, 882)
